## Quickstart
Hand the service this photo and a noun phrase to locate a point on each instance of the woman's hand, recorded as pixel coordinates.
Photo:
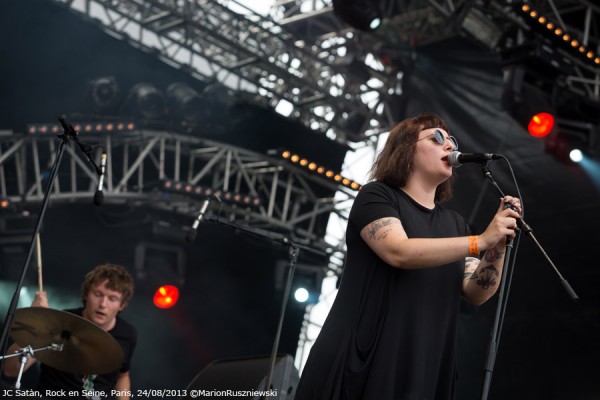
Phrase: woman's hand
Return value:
(503, 225)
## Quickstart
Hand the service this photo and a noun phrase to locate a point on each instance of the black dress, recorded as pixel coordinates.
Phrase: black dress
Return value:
(52, 379)
(391, 332)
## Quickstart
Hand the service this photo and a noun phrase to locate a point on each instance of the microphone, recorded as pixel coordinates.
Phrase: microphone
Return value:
(68, 128)
(99, 195)
(191, 235)
(456, 158)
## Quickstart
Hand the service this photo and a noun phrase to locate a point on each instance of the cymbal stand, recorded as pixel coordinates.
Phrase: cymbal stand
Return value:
(24, 355)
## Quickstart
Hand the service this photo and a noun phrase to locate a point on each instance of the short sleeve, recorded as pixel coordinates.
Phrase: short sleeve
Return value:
(375, 200)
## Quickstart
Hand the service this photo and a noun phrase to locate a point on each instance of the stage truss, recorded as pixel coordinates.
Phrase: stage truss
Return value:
(319, 84)
(294, 201)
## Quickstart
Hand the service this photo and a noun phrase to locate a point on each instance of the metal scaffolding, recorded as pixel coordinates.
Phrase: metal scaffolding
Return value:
(294, 201)
(306, 63)
(254, 54)
(495, 24)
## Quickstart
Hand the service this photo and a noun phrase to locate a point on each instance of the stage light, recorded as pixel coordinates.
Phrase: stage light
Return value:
(528, 104)
(306, 286)
(185, 102)
(105, 91)
(541, 124)
(301, 295)
(202, 192)
(360, 14)
(576, 155)
(146, 100)
(306, 283)
(544, 26)
(570, 142)
(314, 168)
(156, 262)
(166, 296)
(81, 127)
(482, 28)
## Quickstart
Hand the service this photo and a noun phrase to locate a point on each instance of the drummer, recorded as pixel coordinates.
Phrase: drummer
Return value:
(105, 292)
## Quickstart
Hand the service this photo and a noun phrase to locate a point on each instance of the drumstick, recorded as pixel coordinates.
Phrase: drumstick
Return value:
(39, 261)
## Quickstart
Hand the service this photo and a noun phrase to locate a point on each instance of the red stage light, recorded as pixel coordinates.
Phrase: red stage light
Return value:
(541, 124)
(166, 296)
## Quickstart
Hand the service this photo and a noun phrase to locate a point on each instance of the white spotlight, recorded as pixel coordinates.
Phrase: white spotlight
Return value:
(301, 295)
(576, 155)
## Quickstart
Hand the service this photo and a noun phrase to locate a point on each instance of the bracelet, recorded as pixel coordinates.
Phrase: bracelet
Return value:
(474, 245)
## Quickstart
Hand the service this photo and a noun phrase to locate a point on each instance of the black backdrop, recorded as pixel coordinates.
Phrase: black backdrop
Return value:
(549, 346)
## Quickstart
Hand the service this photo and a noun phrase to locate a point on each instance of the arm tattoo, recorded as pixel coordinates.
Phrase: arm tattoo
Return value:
(493, 254)
(487, 277)
(471, 264)
(484, 275)
(375, 228)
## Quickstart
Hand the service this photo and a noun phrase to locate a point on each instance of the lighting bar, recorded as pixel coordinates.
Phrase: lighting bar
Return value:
(82, 127)
(319, 169)
(205, 191)
(544, 25)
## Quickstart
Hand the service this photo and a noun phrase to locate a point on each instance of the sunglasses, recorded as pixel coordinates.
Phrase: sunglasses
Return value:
(441, 139)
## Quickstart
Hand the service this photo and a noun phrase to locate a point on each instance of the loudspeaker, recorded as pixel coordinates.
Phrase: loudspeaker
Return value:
(245, 378)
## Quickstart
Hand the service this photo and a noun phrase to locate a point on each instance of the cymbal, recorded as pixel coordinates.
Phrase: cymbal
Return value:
(87, 349)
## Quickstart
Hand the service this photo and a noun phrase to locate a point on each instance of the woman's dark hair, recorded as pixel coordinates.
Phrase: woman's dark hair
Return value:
(394, 166)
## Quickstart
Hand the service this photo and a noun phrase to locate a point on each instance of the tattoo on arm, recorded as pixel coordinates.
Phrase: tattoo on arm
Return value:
(375, 231)
(471, 264)
(493, 254)
(487, 277)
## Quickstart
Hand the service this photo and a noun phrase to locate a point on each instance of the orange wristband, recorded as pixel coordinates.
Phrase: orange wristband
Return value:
(474, 245)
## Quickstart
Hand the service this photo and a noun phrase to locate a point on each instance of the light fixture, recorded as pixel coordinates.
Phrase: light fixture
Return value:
(146, 101)
(105, 92)
(549, 29)
(360, 14)
(482, 28)
(166, 296)
(541, 124)
(576, 155)
(318, 169)
(82, 127)
(306, 290)
(157, 263)
(4, 204)
(199, 191)
(568, 145)
(529, 105)
(306, 283)
(184, 102)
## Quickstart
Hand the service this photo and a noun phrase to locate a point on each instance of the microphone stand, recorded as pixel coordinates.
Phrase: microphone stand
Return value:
(69, 133)
(293, 254)
(504, 289)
